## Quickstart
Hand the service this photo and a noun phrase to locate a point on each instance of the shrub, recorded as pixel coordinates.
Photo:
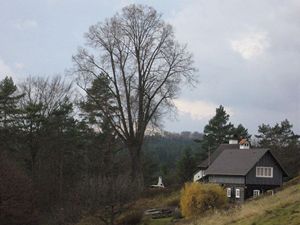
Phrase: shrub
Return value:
(197, 198)
(90, 220)
(173, 202)
(132, 217)
(17, 203)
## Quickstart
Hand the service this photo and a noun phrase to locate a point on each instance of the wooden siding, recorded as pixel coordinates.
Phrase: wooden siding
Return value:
(233, 197)
(262, 188)
(221, 179)
(266, 161)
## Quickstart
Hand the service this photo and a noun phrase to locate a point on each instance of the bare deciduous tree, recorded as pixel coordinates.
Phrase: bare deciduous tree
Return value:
(136, 52)
(50, 93)
(42, 97)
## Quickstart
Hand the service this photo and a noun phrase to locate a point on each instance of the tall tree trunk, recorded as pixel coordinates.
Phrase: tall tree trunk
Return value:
(137, 177)
(61, 175)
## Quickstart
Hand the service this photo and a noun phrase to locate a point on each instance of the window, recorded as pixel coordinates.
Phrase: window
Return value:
(237, 193)
(228, 192)
(264, 171)
(256, 193)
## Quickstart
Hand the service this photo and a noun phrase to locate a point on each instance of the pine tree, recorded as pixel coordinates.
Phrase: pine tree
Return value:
(240, 132)
(9, 113)
(277, 137)
(8, 102)
(217, 131)
(186, 166)
(98, 94)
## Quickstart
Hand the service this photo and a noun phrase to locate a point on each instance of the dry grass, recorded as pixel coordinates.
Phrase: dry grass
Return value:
(158, 201)
(252, 210)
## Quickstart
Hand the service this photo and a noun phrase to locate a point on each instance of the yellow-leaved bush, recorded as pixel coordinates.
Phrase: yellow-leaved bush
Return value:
(197, 198)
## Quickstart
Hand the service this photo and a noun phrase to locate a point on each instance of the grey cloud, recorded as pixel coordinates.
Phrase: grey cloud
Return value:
(266, 86)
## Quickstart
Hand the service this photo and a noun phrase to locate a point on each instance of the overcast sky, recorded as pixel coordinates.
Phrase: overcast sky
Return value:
(247, 52)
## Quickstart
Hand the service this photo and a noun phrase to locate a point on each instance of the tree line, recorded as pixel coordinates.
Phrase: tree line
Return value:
(87, 154)
(60, 159)
(63, 156)
(54, 163)
(280, 138)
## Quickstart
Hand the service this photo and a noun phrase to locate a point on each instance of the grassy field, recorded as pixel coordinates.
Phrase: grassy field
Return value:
(160, 200)
(162, 221)
(283, 208)
(156, 199)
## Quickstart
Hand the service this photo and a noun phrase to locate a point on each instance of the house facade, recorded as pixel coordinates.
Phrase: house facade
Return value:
(243, 172)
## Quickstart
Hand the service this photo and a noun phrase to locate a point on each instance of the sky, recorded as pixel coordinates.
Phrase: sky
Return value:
(247, 52)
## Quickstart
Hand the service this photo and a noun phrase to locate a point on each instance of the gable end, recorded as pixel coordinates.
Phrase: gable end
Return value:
(267, 160)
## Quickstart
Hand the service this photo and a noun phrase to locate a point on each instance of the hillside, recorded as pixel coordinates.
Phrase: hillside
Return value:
(162, 153)
(283, 208)
(280, 209)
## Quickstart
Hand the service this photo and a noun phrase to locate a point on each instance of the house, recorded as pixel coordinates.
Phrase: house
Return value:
(200, 173)
(243, 171)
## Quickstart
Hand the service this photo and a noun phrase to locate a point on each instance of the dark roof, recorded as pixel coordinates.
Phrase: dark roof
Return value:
(281, 161)
(205, 163)
(235, 162)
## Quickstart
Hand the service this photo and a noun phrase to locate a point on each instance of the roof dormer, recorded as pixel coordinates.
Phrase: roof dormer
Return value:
(244, 144)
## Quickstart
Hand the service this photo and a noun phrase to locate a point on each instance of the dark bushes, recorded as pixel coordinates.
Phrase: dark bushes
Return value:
(132, 217)
(17, 204)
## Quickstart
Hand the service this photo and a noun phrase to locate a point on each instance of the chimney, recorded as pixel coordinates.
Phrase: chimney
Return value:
(244, 144)
(233, 142)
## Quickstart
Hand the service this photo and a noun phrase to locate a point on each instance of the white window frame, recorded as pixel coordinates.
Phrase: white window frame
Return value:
(256, 193)
(264, 171)
(228, 192)
(237, 193)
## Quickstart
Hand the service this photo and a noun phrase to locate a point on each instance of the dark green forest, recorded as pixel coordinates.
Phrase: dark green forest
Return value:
(163, 153)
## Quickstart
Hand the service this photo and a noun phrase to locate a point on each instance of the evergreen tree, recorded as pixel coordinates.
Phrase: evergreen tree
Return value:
(9, 112)
(240, 132)
(31, 124)
(97, 94)
(8, 101)
(277, 137)
(186, 166)
(62, 127)
(217, 131)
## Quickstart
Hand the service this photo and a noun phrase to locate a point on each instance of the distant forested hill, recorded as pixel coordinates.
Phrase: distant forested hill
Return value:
(162, 152)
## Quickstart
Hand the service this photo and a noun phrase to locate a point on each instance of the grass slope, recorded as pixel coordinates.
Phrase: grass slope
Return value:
(156, 198)
(162, 221)
(283, 208)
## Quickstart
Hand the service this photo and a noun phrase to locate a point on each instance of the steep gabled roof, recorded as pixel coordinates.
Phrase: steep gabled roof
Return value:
(205, 163)
(235, 162)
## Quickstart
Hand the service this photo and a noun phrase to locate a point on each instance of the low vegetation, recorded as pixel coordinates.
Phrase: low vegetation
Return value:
(158, 198)
(152, 198)
(162, 221)
(197, 198)
(131, 217)
(281, 208)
